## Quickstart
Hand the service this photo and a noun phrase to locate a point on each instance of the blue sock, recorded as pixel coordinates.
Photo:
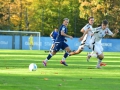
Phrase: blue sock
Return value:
(49, 56)
(66, 55)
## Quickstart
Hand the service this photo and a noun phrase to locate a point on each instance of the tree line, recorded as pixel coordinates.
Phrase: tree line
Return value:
(45, 15)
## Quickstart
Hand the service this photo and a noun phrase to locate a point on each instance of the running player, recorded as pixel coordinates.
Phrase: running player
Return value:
(99, 33)
(53, 36)
(60, 44)
(93, 54)
(85, 39)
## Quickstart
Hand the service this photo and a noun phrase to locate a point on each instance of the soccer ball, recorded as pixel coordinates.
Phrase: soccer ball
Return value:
(32, 67)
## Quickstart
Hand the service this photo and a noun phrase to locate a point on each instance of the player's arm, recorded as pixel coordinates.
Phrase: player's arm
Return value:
(82, 30)
(116, 31)
(85, 32)
(51, 34)
(63, 34)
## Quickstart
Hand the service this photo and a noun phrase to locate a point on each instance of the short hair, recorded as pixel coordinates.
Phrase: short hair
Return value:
(105, 22)
(65, 19)
(90, 18)
(56, 28)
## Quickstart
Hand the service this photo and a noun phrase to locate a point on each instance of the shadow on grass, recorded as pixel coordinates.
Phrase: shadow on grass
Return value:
(33, 81)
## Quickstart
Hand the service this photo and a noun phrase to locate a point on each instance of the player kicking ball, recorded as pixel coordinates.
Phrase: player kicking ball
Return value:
(95, 44)
(60, 44)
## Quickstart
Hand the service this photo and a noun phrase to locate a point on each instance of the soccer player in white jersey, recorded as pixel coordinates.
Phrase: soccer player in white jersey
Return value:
(99, 33)
(93, 54)
(85, 39)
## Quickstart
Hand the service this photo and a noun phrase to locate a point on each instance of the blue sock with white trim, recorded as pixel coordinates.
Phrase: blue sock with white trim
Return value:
(48, 57)
(65, 56)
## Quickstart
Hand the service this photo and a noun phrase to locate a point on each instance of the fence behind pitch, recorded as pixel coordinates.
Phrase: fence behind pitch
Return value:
(6, 41)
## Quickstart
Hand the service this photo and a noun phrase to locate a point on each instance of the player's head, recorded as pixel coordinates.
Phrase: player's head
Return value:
(65, 21)
(56, 29)
(91, 20)
(104, 24)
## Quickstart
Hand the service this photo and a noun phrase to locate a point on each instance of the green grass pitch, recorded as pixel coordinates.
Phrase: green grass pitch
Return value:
(79, 75)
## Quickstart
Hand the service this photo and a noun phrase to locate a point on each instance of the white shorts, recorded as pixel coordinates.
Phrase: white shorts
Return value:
(97, 48)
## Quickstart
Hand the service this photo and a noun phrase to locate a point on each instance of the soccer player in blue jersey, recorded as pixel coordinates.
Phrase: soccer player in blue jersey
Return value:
(60, 44)
(53, 36)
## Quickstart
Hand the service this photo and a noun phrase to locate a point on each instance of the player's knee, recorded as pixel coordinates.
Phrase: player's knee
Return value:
(101, 56)
(68, 50)
(81, 48)
(53, 53)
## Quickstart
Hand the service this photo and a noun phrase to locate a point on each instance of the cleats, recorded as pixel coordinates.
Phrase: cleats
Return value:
(102, 64)
(64, 63)
(44, 63)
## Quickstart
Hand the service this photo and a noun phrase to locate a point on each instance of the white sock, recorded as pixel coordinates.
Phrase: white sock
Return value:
(46, 60)
(63, 59)
(94, 55)
(98, 63)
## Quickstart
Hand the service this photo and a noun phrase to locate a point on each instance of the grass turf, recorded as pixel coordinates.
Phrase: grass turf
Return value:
(79, 75)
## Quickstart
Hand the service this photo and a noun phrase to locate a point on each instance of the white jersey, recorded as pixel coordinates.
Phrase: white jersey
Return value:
(88, 36)
(99, 33)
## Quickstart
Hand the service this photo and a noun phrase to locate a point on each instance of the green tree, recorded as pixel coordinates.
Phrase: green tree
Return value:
(101, 9)
(40, 15)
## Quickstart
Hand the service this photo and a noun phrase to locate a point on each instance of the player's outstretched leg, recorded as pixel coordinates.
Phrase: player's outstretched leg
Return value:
(89, 55)
(75, 52)
(48, 57)
(99, 54)
(100, 58)
(80, 49)
(65, 56)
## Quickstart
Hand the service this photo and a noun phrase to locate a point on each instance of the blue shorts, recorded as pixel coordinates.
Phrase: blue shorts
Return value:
(53, 41)
(59, 45)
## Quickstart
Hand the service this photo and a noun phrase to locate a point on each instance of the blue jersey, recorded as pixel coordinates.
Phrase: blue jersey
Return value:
(59, 43)
(54, 34)
(61, 38)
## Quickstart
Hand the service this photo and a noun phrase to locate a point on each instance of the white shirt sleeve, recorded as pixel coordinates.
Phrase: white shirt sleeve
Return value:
(94, 30)
(86, 27)
(109, 32)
